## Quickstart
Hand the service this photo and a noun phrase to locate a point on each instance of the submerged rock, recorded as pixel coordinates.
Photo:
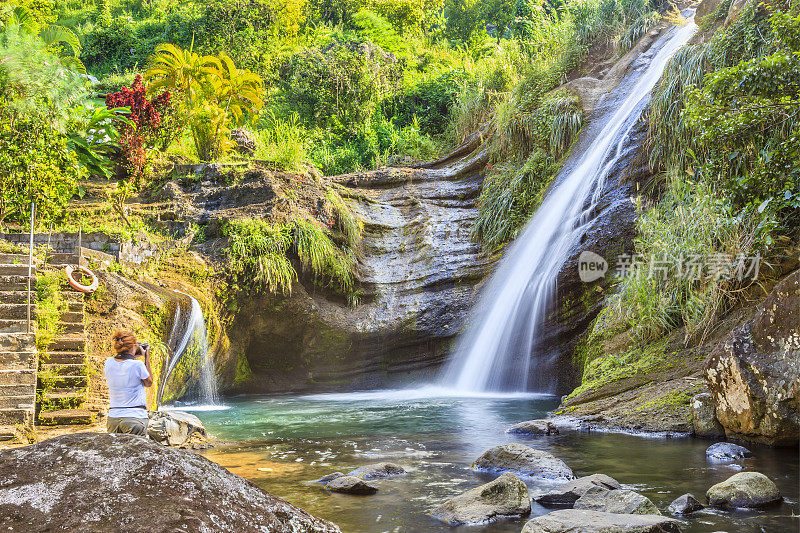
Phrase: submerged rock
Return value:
(567, 494)
(173, 428)
(746, 490)
(616, 501)
(523, 460)
(582, 521)
(754, 374)
(378, 471)
(683, 505)
(328, 477)
(350, 485)
(534, 427)
(109, 483)
(704, 417)
(726, 451)
(505, 496)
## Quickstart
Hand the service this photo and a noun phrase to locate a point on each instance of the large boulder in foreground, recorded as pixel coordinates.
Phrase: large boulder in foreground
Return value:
(110, 483)
(505, 496)
(754, 374)
(567, 494)
(749, 490)
(616, 501)
(523, 460)
(577, 521)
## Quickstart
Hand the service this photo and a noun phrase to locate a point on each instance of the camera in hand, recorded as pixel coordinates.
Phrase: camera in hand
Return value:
(144, 346)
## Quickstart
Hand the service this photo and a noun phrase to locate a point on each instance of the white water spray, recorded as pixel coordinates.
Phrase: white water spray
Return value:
(496, 351)
(191, 351)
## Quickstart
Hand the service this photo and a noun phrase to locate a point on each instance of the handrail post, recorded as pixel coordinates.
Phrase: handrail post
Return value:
(30, 266)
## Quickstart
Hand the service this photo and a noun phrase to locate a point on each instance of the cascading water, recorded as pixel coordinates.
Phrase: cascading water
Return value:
(189, 373)
(496, 352)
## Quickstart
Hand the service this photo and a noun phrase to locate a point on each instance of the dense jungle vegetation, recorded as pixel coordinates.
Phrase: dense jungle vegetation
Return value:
(115, 88)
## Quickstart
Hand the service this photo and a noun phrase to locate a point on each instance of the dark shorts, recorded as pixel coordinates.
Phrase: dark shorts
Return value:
(132, 426)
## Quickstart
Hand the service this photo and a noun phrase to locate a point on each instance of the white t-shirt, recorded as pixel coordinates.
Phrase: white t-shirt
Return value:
(125, 388)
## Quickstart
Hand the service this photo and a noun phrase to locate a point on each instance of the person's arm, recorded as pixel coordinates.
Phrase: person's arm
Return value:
(148, 381)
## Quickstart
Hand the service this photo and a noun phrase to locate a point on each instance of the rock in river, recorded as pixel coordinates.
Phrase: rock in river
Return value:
(567, 494)
(746, 490)
(683, 505)
(350, 485)
(378, 471)
(523, 460)
(505, 496)
(616, 501)
(110, 483)
(534, 427)
(328, 478)
(725, 451)
(578, 521)
(754, 374)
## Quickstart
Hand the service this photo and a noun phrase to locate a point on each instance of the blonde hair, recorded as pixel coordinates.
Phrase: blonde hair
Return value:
(124, 341)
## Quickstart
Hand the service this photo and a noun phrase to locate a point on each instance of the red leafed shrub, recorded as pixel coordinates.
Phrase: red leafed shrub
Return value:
(143, 128)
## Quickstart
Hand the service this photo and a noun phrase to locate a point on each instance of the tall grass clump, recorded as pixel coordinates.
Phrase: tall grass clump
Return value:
(257, 257)
(344, 220)
(282, 141)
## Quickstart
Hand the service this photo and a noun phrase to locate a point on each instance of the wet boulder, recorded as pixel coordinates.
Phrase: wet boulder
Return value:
(684, 505)
(351, 485)
(173, 428)
(534, 427)
(244, 141)
(378, 471)
(704, 417)
(523, 460)
(328, 477)
(567, 494)
(726, 452)
(109, 483)
(616, 501)
(754, 374)
(505, 496)
(748, 490)
(583, 521)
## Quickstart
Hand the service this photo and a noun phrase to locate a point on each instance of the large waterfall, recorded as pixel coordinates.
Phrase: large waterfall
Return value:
(497, 351)
(189, 373)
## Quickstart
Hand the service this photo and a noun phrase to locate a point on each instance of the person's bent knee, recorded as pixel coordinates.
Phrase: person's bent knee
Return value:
(130, 426)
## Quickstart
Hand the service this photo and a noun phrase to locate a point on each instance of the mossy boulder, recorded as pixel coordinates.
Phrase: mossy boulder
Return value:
(744, 490)
(505, 496)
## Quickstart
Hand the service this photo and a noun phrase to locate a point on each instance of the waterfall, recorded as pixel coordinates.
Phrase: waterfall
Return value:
(496, 352)
(189, 373)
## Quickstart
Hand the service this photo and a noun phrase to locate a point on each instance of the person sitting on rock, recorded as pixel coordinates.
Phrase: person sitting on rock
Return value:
(127, 378)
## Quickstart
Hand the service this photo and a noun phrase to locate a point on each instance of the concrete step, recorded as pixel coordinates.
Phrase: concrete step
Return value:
(17, 342)
(7, 269)
(66, 417)
(17, 390)
(18, 376)
(65, 358)
(69, 343)
(14, 325)
(62, 259)
(10, 282)
(68, 328)
(72, 317)
(62, 394)
(17, 360)
(8, 433)
(16, 297)
(15, 416)
(62, 381)
(68, 369)
(18, 402)
(15, 259)
(16, 311)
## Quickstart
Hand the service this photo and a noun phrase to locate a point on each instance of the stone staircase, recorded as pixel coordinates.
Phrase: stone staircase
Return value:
(63, 377)
(18, 355)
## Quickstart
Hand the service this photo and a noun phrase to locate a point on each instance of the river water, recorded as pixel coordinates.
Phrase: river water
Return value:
(282, 442)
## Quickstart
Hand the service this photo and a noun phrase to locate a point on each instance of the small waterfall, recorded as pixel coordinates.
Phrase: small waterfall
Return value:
(496, 352)
(189, 373)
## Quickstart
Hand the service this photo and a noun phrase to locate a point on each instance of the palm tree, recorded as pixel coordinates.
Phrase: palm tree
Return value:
(181, 71)
(239, 90)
